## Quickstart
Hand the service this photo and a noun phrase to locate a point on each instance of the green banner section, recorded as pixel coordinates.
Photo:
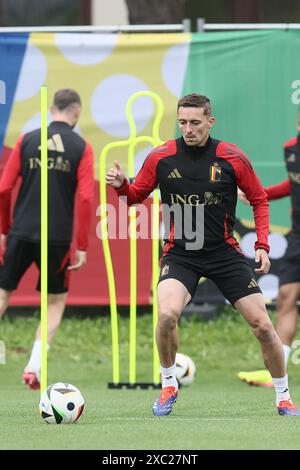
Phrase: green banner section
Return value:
(251, 79)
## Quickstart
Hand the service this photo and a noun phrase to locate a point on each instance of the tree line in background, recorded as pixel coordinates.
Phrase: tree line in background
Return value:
(78, 12)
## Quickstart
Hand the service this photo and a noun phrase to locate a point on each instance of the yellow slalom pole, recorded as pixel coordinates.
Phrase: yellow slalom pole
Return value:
(108, 261)
(44, 236)
(155, 242)
(154, 141)
(131, 142)
(155, 276)
(133, 249)
(133, 276)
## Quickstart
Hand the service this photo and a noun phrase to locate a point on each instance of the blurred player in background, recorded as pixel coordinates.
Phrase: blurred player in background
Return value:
(198, 173)
(70, 172)
(289, 271)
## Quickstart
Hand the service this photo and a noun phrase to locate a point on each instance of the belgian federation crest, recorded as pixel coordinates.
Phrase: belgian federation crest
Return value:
(215, 173)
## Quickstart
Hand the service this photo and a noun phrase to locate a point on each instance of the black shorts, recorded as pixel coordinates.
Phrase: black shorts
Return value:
(225, 266)
(289, 269)
(19, 256)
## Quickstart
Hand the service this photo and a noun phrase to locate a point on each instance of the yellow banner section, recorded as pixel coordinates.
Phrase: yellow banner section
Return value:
(106, 69)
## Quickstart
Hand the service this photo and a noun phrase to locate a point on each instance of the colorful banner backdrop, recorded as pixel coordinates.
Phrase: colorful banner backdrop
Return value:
(250, 77)
(12, 49)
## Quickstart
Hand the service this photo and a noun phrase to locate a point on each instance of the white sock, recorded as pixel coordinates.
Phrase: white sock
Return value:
(168, 376)
(287, 351)
(281, 388)
(34, 363)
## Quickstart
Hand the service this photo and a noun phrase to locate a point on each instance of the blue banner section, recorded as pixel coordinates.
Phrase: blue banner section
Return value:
(12, 50)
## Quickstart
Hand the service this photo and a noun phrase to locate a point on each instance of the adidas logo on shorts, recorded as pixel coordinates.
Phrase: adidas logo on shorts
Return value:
(253, 283)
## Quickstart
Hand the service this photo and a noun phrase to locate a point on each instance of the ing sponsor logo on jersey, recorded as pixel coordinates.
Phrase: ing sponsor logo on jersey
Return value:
(189, 199)
(215, 173)
(208, 199)
(58, 164)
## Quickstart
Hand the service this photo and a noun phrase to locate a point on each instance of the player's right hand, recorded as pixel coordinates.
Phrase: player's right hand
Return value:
(262, 256)
(114, 176)
(2, 241)
(80, 260)
(242, 196)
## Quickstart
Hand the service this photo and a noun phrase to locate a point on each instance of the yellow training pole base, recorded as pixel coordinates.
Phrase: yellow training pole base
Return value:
(44, 236)
(134, 386)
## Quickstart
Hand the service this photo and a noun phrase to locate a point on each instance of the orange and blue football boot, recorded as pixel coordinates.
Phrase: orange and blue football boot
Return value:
(287, 408)
(164, 404)
(31, 379)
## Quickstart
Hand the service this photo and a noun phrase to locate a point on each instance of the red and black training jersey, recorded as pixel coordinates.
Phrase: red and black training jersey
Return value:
(70, 170)
(207, 175)
(290, 186)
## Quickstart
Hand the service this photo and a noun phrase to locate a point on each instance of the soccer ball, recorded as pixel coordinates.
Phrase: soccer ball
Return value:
(61, 404)
(185, 369)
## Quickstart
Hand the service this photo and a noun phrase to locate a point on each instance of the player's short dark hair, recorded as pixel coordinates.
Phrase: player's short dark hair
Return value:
(65, 98)
(193, 100)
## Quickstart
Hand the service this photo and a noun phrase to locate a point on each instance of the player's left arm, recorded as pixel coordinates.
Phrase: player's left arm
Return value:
(248, 182)
(85, 196)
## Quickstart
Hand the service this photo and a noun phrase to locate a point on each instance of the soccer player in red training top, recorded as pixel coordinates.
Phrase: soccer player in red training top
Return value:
(70, 171)
(289, 271)
(197, 171)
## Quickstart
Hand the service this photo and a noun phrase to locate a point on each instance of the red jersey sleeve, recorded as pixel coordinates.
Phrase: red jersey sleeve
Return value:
(11, 172)
(146, 180)
(144, 183)
(85, 195)
(279, 190)
(249, 183)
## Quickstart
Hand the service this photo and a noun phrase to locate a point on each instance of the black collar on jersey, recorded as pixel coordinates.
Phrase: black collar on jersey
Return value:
(196, 149)
(61, 124)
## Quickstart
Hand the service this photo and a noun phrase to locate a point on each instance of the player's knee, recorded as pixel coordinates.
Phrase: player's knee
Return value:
(167, 317)
(285, 299)
(56, 300)
(4, 295)
(264, 330)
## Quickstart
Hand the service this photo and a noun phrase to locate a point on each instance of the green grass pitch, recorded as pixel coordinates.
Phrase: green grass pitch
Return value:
(216, 412)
